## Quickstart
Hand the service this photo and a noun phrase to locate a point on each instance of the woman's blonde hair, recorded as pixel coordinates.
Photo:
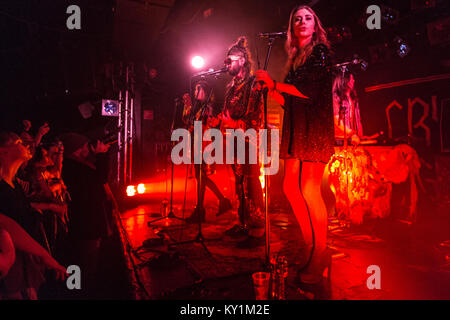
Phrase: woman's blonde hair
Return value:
(296, 55)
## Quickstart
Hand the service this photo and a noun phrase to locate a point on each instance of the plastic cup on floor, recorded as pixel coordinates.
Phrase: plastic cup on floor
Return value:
(261, 282)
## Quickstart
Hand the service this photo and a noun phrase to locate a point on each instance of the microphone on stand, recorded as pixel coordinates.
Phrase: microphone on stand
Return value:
(362, 63)
(211, 72)
(272, 34)
(356, 60)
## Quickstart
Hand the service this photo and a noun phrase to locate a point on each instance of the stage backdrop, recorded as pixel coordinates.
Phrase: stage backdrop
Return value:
(417, 108)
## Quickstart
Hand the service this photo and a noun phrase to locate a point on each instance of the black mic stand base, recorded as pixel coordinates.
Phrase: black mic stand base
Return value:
(170, 215)
(198, 239)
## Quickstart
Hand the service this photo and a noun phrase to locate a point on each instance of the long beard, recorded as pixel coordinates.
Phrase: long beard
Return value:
(234, 71)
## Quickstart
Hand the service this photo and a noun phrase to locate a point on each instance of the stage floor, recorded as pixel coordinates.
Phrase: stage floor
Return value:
(413, 257)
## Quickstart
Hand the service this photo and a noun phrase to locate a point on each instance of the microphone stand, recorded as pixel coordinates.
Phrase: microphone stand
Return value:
(344, 69)
(199, 237)
(264, 93)
(170, 215)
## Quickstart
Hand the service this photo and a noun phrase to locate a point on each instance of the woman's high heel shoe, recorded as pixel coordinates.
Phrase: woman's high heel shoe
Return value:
(312, 285)
(314, 273)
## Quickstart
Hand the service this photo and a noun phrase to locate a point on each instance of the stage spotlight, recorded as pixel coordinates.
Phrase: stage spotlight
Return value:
(197, 62)
(339, 34)
(110, 108)
(131, 191)
(401, 46)
(141, 188)
(389, 15)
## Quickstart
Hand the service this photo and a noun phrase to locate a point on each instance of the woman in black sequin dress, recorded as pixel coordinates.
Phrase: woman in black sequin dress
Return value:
(308, 130)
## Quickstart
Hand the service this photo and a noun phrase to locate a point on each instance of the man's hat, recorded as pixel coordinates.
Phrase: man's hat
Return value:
(72, 142)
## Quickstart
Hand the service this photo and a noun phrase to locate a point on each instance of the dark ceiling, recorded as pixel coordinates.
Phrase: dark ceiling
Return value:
(45, 66)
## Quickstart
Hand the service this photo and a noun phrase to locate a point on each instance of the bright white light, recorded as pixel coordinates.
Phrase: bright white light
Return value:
(197, 62)
(131, 191)
(141, 188)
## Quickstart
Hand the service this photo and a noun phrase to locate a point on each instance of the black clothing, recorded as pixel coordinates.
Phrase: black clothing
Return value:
(205, 182)
(89, 218)
(40, 192)
(15, 205)
(243, 103)
(199, 112)
(308, 126)
(88, 211)
(249, 191)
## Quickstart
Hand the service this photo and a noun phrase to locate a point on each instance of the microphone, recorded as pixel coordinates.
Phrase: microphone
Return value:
(356, 60)
(272, 34)
(210, 72)
(364, 64)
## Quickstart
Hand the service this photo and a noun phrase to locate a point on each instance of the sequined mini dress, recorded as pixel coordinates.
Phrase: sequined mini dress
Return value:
(308, 127)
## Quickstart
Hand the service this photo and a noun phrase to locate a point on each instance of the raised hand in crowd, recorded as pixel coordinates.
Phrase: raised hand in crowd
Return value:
(100, 147)
(43, 130)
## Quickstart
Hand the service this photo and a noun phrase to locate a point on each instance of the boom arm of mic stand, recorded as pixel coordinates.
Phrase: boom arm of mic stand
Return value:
(177, 102)
(209, 73)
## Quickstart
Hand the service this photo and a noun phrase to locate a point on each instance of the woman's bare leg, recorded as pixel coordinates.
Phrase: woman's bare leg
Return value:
(311, 179)
(291, 188)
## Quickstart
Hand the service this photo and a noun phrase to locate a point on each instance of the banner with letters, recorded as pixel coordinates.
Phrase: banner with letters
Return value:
(416, 108)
